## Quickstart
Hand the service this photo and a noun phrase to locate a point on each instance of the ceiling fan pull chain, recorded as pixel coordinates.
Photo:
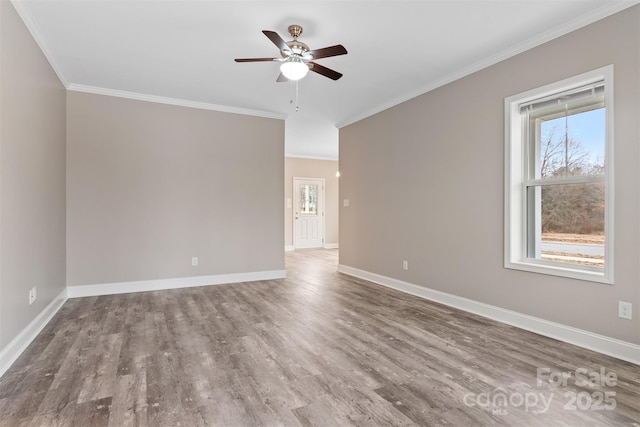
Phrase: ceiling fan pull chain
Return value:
(297, 103)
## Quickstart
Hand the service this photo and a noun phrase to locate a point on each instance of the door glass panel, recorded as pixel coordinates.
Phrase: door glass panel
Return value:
(308, 200)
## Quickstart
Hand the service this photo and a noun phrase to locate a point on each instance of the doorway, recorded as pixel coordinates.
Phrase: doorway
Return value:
(308, 213)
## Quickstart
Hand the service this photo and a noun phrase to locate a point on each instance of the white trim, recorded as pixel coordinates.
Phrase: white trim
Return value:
(602, 344)
(325, 246)
(177, 283)
(515, 161)
(19, 344)
(173, 101)
(300, 156)
(600, 13)
(39, 39)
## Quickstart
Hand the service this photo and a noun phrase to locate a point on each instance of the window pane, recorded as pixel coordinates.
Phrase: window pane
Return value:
(558, 217)
(572, 144)
(567, 224)
(308, 199)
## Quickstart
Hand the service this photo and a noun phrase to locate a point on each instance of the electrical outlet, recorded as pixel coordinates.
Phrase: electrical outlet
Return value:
(32, 295)
(405, 265)
(194, 261)
(624, 309)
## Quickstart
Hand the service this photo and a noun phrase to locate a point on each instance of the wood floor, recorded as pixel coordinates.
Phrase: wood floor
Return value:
(319, 348)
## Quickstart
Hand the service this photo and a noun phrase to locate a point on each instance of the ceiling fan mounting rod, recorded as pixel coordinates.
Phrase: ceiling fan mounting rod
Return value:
(295, 30)
(295, 45)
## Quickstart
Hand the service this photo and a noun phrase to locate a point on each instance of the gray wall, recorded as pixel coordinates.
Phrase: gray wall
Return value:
(32, 177)
(312, 168)
(150, 185)
(425, 182)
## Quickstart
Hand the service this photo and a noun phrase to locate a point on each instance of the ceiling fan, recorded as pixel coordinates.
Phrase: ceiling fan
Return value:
(297, 59)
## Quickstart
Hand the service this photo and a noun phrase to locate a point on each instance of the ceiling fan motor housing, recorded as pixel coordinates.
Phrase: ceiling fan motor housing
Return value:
(296, 46)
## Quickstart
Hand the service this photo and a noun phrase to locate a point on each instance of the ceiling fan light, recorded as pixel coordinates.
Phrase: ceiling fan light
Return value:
(294, 68)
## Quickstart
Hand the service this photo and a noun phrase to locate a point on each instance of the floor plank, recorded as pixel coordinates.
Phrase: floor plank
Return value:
(316, 349)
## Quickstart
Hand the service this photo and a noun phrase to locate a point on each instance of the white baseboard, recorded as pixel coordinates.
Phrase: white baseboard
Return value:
(610, 346)
(158, 285)
(14, 349)
(324, 246)
(16, 346)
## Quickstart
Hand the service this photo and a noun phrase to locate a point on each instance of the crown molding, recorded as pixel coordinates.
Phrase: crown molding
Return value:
(602, 12)
(566, 28)
(23, 13)
(174, 101)
(32, 27)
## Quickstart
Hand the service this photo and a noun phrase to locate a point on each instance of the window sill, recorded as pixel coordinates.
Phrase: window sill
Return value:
(554, 269)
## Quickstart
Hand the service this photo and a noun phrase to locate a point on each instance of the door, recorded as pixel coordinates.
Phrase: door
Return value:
(308, 212)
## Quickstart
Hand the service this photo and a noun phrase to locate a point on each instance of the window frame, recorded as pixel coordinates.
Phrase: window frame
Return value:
(517, 154)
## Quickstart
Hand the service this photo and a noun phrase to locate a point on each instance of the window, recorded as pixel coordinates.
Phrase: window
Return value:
(308, 200)
(559, 178)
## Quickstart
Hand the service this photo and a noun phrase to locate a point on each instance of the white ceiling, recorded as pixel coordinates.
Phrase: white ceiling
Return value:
(182, 51)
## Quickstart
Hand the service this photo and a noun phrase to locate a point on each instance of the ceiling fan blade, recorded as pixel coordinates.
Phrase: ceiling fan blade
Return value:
(281, 78)
(277, 40)
(327, 72)
(255, 59)
(326, 52)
